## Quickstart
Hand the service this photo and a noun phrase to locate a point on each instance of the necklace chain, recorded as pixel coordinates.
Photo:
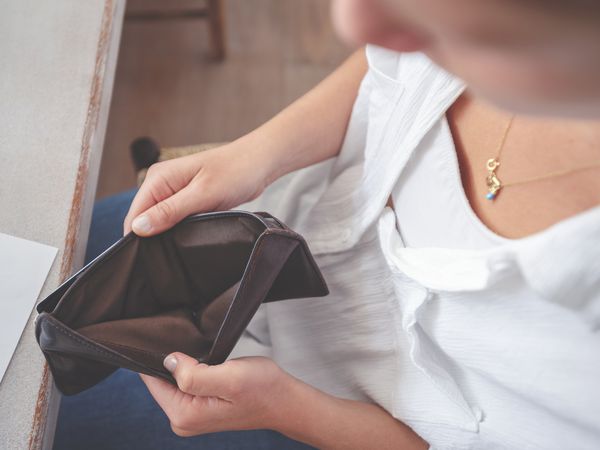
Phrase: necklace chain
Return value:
(504, 136)
(557, 173)
(494, 184)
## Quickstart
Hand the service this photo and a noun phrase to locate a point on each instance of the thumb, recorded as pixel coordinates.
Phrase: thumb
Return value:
(165, 214)
(196, 378)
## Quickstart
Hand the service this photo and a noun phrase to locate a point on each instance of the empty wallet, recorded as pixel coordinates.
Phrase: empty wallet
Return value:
(192, 289)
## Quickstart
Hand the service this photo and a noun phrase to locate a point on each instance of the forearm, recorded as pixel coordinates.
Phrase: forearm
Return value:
(312, 128)
(327, 422)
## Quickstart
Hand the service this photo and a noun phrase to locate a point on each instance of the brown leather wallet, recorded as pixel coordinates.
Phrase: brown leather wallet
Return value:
(193, 289)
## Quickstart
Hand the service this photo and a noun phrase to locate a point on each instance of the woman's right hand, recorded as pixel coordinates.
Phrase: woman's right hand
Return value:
(308, 131)
(217, 179)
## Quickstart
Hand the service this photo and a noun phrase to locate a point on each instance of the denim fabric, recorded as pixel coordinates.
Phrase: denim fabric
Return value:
(119, 413)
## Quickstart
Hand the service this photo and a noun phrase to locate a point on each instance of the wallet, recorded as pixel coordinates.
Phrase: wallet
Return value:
(192, 289)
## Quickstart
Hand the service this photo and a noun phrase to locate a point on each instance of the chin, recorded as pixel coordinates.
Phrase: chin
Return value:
(347, 23)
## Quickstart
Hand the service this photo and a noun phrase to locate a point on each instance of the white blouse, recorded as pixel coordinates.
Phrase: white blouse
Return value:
(473, 340)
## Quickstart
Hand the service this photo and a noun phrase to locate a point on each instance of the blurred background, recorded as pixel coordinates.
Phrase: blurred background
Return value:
(173, 85)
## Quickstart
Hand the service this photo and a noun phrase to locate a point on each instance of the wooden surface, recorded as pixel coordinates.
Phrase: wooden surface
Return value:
(58, 61)
(168, 87)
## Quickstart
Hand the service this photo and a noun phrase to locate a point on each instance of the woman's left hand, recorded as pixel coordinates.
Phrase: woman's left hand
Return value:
(254, 393)
(240, 394)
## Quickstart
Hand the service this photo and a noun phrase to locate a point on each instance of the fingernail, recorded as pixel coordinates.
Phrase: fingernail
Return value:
(141, 224)
(170, 363)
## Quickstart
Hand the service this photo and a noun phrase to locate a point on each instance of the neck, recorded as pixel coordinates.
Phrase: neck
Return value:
(534, 148)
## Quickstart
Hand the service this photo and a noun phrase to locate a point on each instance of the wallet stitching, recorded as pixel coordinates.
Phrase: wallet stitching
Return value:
(80, 340)
(252, 268)
(147, 352)
(114, 250)
(285, 234)
(247, 280)
(253, 264)
(89, 272)
(95, 347)
(241, 291)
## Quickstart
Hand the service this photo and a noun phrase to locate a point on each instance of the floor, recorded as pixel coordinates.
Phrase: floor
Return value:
(167, 87)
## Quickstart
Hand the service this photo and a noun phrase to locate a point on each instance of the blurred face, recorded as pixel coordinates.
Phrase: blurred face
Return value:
(532, 56)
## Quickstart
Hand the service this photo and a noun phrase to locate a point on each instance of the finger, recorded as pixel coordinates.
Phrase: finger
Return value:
(152, 191)
(162, 391)
(196, 378)
(141, 202)
(161, 182)
(166, 213)
(166, 395)
(187, 413)
(145, 198)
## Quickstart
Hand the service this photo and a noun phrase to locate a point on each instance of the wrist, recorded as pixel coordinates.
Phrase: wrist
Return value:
(266, 155)
(323, 421)
(286, 413)
(302, 411)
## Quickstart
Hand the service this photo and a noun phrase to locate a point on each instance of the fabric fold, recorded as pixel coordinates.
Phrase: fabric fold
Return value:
(424, 353)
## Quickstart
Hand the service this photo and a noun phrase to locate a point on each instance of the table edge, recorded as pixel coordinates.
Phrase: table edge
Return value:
(112, 16)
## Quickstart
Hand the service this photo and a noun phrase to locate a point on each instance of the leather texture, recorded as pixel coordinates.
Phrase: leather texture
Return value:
(193, 289)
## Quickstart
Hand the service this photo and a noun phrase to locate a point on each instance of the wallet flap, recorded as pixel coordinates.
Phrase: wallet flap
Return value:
(49, 303)
(79, 363)
(273, 248)
(300, 276)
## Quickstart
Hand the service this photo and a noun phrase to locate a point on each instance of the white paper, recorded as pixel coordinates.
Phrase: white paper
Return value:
(24, 266)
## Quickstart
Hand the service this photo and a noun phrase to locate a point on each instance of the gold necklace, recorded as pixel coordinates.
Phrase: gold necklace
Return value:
(494, 184)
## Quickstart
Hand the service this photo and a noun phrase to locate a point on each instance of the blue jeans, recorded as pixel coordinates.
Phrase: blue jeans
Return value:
(119, 413)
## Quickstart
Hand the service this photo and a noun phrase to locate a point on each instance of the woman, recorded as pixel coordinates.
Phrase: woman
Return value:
(460, 242)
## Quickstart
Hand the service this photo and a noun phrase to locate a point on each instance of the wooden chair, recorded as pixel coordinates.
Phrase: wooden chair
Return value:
(212, 10)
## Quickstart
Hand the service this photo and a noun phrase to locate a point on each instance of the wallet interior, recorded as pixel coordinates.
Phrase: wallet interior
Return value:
(166, 293)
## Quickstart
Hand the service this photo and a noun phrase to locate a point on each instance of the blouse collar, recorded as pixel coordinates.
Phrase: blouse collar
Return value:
(561, 264)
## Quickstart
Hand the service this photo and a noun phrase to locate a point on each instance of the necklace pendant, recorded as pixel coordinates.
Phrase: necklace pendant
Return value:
(492, 164)
(492, 193)
(493, 183)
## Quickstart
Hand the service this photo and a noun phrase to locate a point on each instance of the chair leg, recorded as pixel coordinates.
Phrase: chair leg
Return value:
(217, 28)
